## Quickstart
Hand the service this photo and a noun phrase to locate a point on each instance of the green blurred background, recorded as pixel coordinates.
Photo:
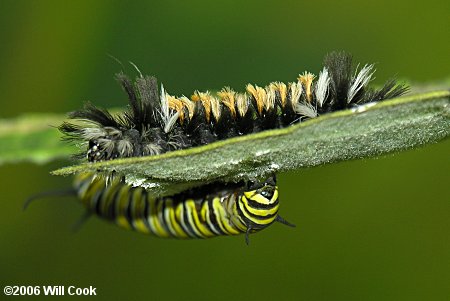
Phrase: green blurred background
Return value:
(373, 229)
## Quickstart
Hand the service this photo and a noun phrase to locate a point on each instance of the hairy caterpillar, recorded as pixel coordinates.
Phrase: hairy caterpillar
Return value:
(157, 122)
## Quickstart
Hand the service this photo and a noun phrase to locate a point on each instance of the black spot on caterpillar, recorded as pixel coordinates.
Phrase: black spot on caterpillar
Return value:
(157, 122)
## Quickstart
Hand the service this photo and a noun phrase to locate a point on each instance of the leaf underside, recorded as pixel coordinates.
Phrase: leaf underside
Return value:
(367, 131)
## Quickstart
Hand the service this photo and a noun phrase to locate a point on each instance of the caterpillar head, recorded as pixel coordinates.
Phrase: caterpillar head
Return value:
(110, 143)
(259, 205)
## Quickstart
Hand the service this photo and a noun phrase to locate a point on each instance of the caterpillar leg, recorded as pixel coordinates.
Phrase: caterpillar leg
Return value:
(283, 221)
(277, 219)
(81, 221)
(247, 235)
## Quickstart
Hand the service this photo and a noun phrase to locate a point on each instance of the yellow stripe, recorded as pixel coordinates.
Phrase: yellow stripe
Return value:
(82, 178)
(190, 218)
(109, 201)
(179, 232)
(90, 192)
(253, 219)
(203, 229)
(152, 214)
(166, 216)
(253, 195)
(179, 212)
(121, 207)
(259, 212)
(160, 230)
(222, 218)
(108, 198)
(100, 195)
(216, 206)
(121, 221)
(138, 211)
(237, 219)
(205, 214)
(275, 195)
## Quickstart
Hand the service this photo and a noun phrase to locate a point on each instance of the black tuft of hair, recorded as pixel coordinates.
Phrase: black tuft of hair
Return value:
(143, 101)
(94, 114)
(339, 64)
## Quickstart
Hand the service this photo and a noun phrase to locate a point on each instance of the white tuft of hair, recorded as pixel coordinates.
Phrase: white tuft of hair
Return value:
(359, 81)
(296, 92)
(169, 118)
(306, 109)
(322, 86)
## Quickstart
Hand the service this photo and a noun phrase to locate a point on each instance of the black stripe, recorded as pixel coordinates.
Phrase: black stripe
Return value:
(128, 213)
(257, 205)
(213, 217)
(96, 199)
(240, 213)
(205, 223)
(110, 204)
(194, 225)
(111, 210)
(258, 217)
(105, 200)
(84, 197)
(186, 219)
(186, 229)
(102, 199)
(140, 205)
(170, 211)
(146, 212)
(162, 220)
(249, 223)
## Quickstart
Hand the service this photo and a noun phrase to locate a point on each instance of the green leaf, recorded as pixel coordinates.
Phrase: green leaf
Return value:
(370, 130)
(32, 137)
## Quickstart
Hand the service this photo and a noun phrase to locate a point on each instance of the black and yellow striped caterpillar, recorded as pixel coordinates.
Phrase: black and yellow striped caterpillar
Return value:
(213, 210)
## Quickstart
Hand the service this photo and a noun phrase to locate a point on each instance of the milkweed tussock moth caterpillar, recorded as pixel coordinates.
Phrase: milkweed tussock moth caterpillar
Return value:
(157, 122)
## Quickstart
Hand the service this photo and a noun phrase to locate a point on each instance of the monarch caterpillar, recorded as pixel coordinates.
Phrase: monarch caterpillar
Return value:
(213, 210)
(157, 122)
